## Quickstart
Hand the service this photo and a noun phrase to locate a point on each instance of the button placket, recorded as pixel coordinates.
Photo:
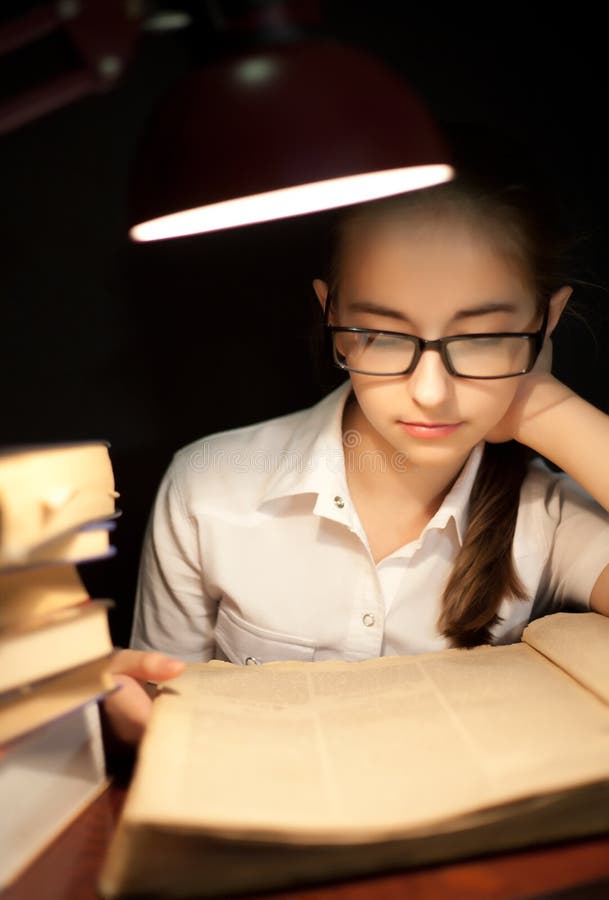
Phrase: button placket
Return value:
(365, 634)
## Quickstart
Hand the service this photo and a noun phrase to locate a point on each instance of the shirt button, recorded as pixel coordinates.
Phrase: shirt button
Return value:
(368, 619)
(338, 501)
(251, 661)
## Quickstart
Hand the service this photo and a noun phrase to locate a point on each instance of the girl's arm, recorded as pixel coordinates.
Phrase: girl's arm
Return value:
(557, 423)
(599, 598)
(173, 613)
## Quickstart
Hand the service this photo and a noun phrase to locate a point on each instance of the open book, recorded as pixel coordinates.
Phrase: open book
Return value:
(260, 777)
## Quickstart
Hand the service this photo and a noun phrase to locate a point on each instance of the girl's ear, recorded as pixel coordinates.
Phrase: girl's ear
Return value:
(321, 289)
(558, 301)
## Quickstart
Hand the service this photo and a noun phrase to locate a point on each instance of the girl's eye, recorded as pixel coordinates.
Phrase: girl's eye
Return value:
(490, 341)
(383, 341)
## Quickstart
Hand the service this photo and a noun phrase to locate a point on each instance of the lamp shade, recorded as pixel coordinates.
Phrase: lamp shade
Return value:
(283, 131)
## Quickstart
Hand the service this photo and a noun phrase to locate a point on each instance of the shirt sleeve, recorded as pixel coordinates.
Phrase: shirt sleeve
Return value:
(173, 613)
(579, 549)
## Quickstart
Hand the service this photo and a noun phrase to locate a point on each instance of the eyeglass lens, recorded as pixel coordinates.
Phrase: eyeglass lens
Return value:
(383, 354)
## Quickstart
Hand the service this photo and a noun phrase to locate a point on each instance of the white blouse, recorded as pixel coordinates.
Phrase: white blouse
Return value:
(254, 552)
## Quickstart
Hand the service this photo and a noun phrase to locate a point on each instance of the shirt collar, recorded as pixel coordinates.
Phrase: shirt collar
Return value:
(313, 458)
(313, 462)
(455, 504)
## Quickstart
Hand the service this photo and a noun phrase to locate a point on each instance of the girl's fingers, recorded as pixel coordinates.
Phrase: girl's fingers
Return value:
(145, 666)
(128, 710)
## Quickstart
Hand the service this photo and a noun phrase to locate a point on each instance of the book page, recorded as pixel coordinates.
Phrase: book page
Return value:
(37, 649)
(27, 593)
(358, 751)
(578, 643)
(29, 707)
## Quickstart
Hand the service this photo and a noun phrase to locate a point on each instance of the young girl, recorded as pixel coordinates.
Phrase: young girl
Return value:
(405, 512)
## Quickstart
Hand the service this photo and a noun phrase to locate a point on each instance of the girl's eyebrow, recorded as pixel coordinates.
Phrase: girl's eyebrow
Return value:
(367, 306)
(487, 308)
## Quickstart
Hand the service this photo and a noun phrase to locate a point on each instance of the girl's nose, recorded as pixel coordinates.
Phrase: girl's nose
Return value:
(430, 383)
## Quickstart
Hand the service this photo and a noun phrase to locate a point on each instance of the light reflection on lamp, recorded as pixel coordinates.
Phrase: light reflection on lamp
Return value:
(292, 201)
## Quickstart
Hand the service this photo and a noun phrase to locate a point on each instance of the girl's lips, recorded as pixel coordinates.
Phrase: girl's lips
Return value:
(424, 430)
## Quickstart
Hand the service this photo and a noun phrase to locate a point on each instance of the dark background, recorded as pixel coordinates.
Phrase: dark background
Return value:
(152, 346)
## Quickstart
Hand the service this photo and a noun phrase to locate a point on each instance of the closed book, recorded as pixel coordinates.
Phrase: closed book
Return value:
(37, 591)
(45, 490)
(83, 544)
(30, 707)
(53, 644)
(46, 780)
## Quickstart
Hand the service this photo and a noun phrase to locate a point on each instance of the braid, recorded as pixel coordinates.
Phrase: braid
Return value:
(484, 572)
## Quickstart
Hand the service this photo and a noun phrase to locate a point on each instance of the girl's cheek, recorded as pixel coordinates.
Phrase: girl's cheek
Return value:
(502, 402)
(486, 404)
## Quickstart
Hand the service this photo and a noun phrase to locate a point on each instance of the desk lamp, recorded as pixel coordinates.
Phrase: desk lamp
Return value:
(278, 120)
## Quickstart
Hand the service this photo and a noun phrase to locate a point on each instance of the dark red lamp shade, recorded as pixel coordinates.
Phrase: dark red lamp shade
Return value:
(285, 131)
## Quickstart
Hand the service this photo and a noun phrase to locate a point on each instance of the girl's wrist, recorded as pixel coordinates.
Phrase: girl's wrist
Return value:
(573, 434)
(543, 411)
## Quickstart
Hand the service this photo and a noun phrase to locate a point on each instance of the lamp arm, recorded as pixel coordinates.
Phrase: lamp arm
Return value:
(104, 34)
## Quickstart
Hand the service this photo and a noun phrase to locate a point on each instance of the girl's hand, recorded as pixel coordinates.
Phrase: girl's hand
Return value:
(524, 404)
(128, 709)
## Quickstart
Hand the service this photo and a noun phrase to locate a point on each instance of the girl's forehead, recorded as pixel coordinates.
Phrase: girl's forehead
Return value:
(405, 239)
(429, 253)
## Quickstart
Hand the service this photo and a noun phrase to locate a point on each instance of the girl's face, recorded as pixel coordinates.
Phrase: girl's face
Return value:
(431, 278)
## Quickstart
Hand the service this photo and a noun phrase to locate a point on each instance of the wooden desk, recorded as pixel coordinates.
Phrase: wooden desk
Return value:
(69, 868)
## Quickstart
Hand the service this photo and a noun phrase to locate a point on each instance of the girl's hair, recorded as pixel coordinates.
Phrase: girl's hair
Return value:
(498, 191)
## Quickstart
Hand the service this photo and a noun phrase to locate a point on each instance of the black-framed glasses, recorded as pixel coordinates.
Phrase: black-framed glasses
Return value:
(502, 354)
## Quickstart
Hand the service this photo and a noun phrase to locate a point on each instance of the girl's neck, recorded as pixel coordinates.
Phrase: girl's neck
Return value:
(372, 469)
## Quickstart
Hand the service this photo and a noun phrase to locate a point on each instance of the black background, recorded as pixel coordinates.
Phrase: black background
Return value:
(152, 346)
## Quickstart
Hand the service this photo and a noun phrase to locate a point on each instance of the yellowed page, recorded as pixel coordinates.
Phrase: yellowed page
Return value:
(392, 747)
(34, 705)
(74, 547)
(67, 638)
(35, 592)
(578, 643)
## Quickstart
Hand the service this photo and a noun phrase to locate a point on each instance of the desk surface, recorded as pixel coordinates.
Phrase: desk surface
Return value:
(69, 868)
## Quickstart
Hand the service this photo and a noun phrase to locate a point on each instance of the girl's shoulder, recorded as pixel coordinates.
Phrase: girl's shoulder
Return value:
(552, 495)
(242, 462)
(293, 429)
(561, 540)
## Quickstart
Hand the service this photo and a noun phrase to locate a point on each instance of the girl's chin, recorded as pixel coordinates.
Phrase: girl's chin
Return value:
(440, 452)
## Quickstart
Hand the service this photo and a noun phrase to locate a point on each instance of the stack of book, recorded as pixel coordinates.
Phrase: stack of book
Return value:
(57, 510)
